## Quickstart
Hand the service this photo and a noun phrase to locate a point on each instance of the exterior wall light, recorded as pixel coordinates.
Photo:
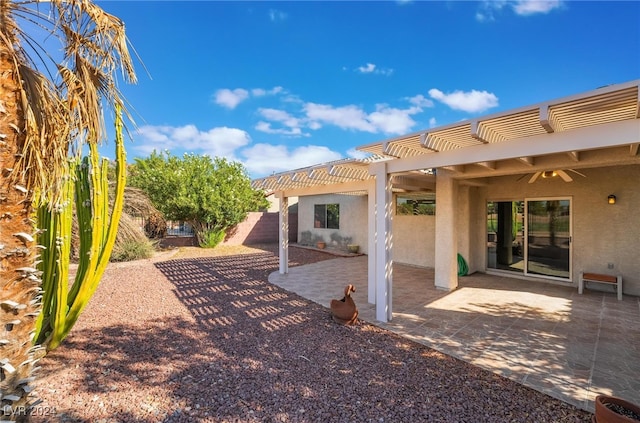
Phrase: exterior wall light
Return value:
(611, 199)
(549, 174)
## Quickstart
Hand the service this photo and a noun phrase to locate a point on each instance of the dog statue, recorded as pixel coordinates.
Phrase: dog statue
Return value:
(344, 311)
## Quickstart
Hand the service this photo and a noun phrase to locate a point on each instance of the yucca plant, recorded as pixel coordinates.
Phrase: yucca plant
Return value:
(97, 226)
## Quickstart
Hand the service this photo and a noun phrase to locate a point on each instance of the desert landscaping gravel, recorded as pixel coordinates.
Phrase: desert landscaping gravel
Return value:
(201, 336)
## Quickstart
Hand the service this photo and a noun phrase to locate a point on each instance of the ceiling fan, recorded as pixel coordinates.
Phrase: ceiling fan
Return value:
(553, 173)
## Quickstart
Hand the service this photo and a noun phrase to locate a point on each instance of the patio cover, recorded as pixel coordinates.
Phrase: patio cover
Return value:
(494, 145)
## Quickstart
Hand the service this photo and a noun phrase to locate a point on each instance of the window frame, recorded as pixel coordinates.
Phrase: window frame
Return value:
(326, 216)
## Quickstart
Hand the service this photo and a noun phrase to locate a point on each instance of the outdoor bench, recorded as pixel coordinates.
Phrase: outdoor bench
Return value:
(600, 278)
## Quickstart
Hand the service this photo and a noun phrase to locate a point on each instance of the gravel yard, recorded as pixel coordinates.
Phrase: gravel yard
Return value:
(201, 336)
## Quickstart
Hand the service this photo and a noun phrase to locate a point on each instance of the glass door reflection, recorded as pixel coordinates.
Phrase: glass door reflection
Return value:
(548, 237)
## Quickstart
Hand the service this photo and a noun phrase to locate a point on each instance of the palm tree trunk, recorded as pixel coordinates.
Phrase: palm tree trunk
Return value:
(19, 282)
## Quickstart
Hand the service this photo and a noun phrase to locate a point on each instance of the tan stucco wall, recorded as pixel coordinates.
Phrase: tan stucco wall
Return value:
(475, 257)
(414, 240)
(274, 204)
(353, 217)
(413, 236)
(602, 233)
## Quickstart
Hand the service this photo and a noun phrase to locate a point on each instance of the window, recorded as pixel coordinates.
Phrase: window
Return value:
(422, 204)
(327, 216)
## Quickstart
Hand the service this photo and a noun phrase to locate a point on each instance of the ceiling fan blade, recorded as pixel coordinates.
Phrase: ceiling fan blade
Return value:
(564, 175)
(534, 177)
(578, 173)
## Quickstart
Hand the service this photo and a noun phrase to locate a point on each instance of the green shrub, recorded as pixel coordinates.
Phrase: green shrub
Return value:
(211, 238)
(132, 250)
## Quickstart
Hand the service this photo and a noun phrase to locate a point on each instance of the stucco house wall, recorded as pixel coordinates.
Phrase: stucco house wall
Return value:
(413, 236)
(414, 240)
(274, 204)
(353, 217)
(476, 256)
(602, 233)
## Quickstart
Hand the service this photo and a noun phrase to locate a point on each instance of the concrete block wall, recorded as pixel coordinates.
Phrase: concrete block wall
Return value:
(261, 228)
(178, 241)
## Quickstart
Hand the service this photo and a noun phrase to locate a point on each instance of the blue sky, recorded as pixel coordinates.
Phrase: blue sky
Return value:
(283, 85)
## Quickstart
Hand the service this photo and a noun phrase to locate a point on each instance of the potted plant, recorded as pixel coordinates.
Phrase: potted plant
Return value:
(319, 241)
(611, 409)
(353, 248)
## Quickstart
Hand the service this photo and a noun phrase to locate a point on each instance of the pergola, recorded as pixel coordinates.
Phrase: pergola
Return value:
(592, 129)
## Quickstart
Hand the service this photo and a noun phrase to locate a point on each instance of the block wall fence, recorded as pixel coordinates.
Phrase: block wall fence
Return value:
(257, 228)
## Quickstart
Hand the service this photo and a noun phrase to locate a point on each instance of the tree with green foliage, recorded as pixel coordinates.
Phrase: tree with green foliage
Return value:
(212, 195)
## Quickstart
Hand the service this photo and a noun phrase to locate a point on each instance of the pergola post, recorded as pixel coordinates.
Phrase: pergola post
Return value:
(383, 243)
(371, 242)
(283, 233)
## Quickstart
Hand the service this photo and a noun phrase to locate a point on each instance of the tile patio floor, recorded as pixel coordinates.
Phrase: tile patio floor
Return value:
(544, 336)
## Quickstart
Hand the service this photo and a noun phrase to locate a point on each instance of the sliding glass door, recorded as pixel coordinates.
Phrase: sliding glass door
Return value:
(505, 235)
(531, 237)
(549, 237)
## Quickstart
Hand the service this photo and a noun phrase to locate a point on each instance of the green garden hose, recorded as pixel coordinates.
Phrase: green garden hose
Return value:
(463, 269)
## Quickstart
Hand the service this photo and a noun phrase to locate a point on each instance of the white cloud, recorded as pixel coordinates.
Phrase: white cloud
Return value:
(345, 117)
(220, 142)
(261, 92)
(369, 68)
(233, 144)
(356, 154)
(391, 120)
(292, 124)
(487, 8)
(266, 127)
(372, 68)
(519, 7)
(263, 159)
(279, 116)
(297, 120)
(291, 98)
(433, 123)
(277, 15)
(231, 98)
(420, 101)
(472, 101)
(530, 7)
(388, 120)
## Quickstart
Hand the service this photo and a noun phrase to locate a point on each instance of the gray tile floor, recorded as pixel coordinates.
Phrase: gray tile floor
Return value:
(572, 347)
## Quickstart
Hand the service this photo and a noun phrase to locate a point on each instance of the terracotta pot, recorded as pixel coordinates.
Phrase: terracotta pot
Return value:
(321, 244)
(605, 415)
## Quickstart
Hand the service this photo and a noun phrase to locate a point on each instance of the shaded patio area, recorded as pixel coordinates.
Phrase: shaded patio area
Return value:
(569, 346)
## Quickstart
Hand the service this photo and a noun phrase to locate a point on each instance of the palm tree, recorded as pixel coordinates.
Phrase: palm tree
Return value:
(49, 107)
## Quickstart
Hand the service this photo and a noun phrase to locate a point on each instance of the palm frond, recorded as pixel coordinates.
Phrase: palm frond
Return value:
(63, 104)
(137, 203)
